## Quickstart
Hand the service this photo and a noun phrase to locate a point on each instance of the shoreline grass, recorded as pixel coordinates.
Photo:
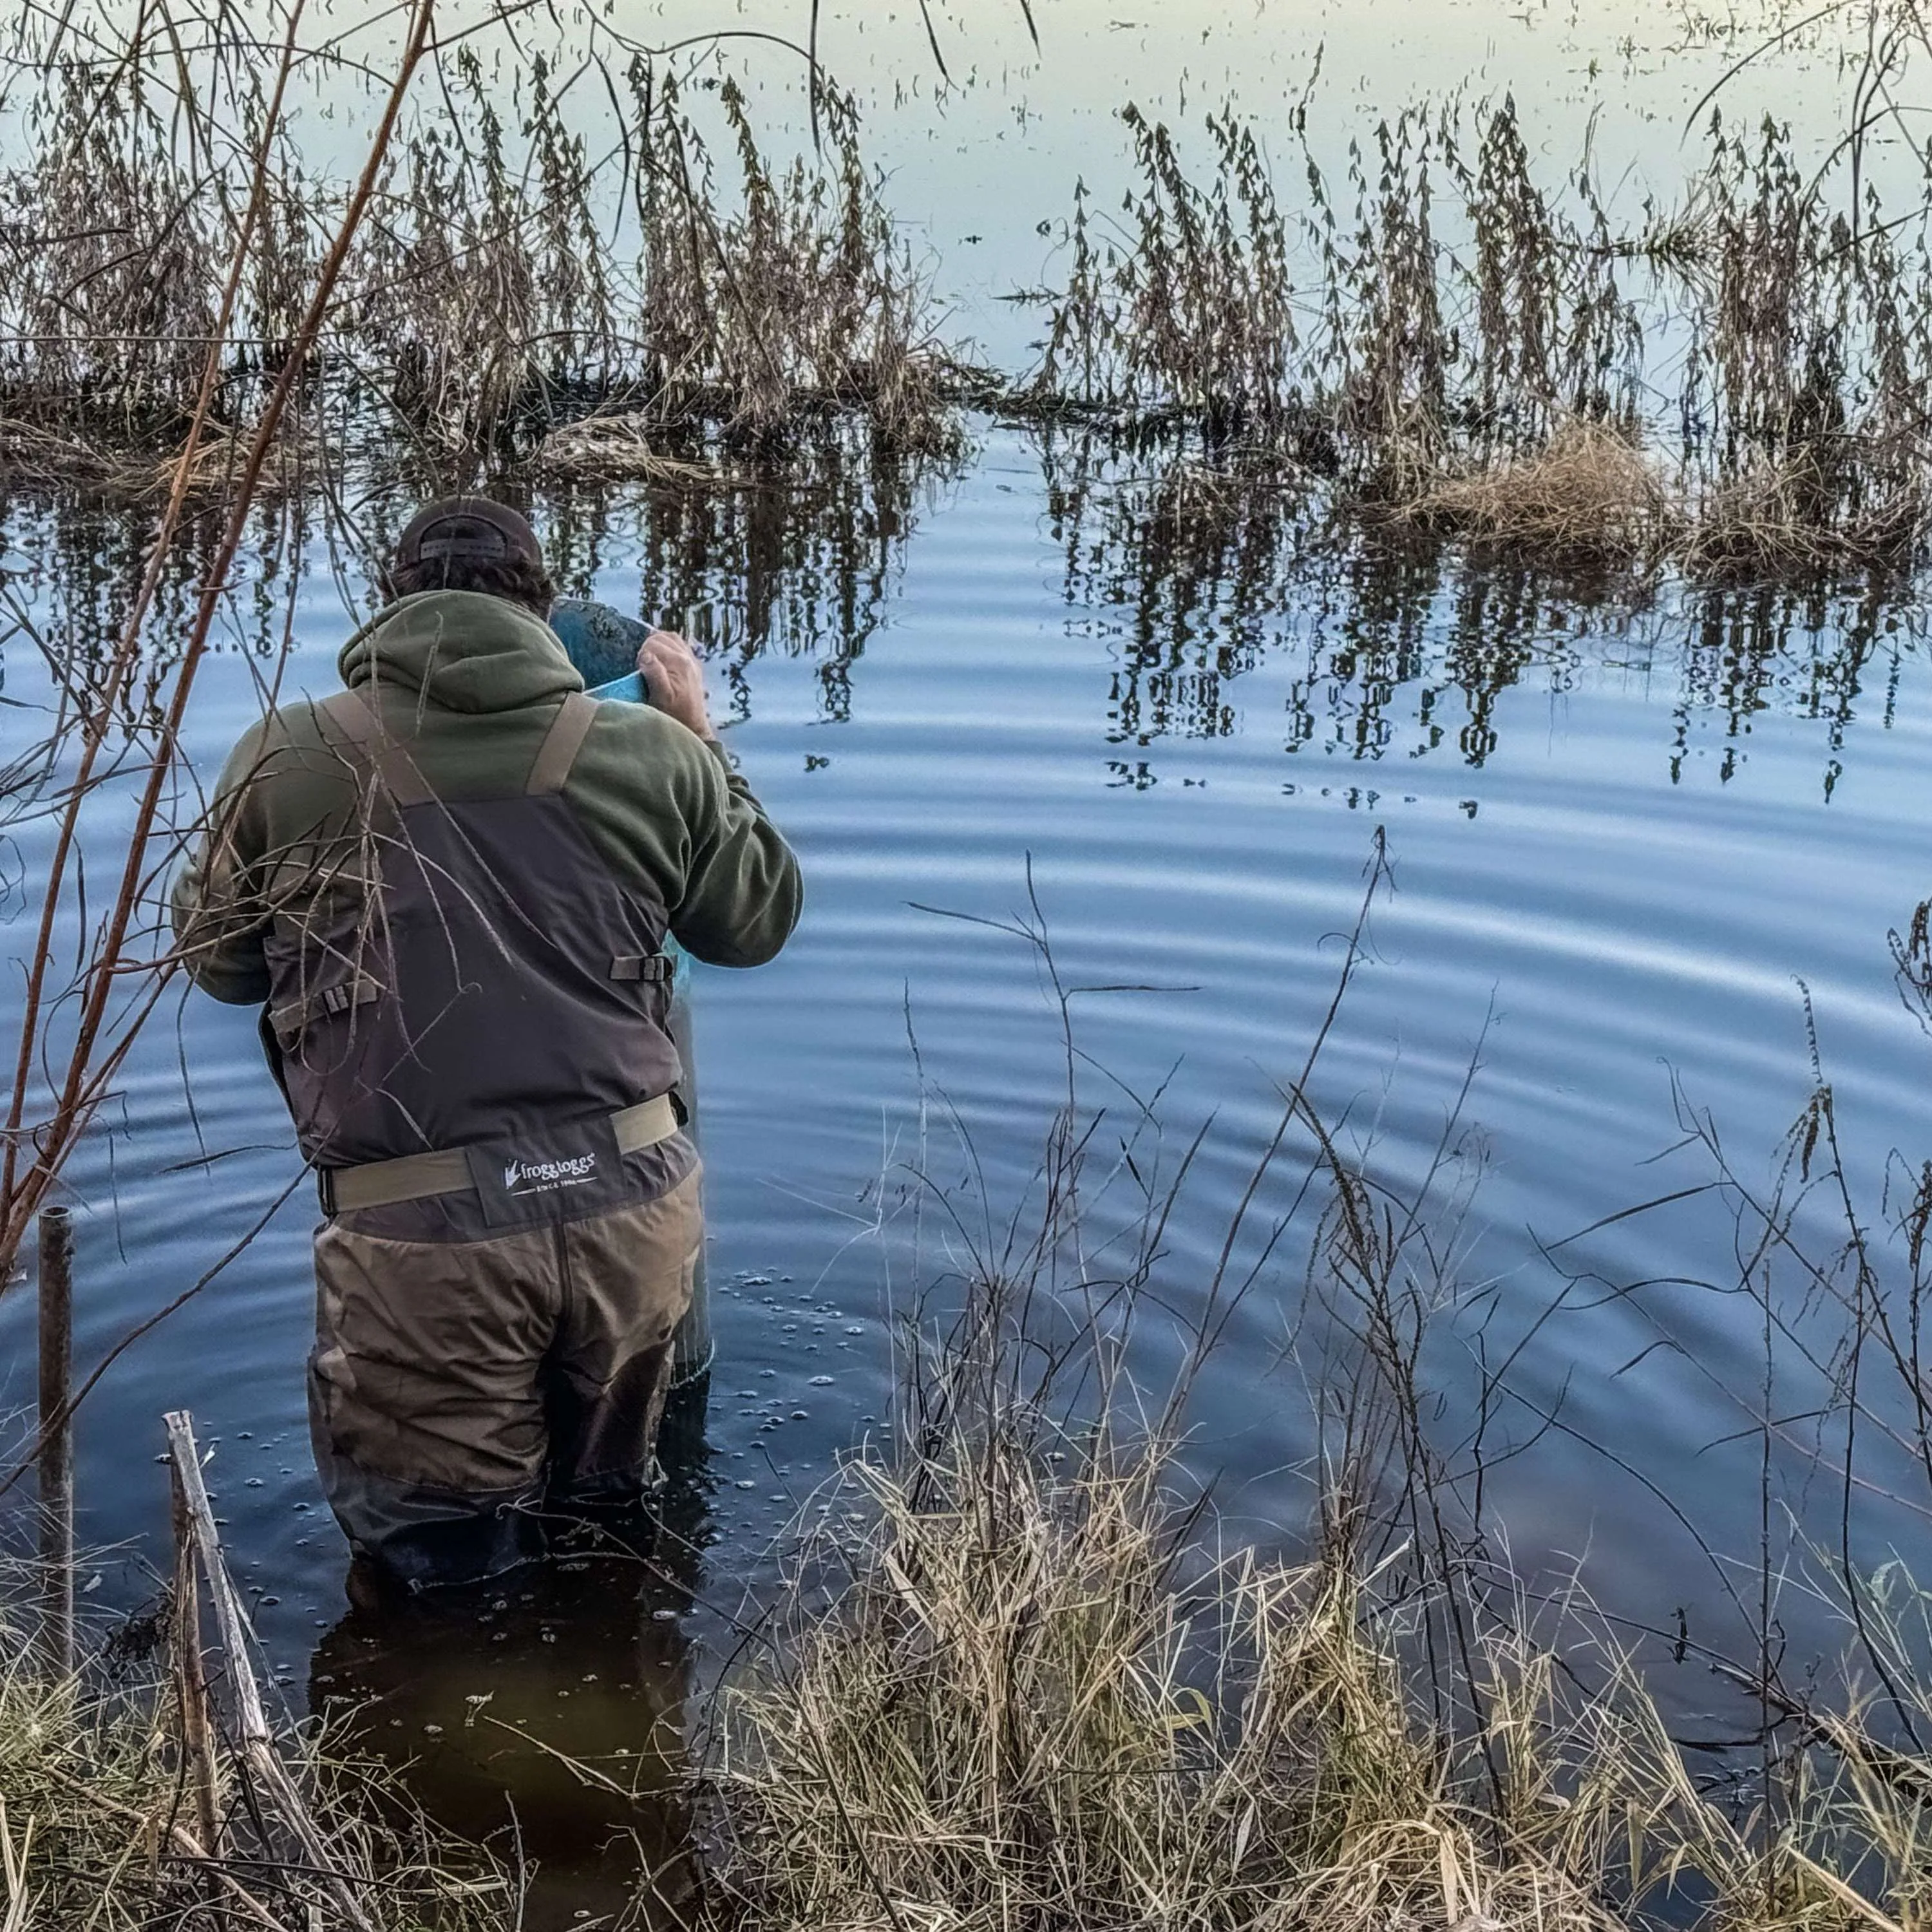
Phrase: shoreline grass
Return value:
(1024, 1676)
(98, 1821)
(1043, 1697)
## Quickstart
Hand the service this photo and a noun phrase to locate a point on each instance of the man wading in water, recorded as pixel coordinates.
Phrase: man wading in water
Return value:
(449, 885)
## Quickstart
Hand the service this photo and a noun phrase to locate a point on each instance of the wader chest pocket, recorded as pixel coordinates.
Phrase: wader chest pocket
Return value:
(555, 1171)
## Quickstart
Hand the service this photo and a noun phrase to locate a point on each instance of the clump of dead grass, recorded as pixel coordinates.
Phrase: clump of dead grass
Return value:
(1589, 497)
(626, 447)
(1041, 1700)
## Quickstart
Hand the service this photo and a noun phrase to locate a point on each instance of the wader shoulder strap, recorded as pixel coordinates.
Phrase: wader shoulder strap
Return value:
(558, 752)
(355, 718)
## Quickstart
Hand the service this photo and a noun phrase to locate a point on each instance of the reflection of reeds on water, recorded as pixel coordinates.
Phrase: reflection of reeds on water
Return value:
(1405, 636)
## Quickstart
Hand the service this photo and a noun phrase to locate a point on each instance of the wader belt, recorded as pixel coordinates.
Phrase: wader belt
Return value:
(416, 1176)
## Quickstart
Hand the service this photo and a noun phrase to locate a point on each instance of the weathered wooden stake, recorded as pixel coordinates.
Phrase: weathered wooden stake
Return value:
(56, 1431)
(191, 1677)
(256, 1741)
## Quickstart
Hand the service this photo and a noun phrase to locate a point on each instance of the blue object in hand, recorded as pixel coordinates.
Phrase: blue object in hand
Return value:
(603, 644)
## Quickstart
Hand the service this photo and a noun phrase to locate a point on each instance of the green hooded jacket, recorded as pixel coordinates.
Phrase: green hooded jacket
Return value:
(469, 684)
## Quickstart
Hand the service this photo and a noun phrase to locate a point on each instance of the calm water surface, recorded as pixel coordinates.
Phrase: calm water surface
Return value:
(1618, 846)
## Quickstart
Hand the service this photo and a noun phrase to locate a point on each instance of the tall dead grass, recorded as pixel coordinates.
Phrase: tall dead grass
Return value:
(1735, 385)
(1022, 1677)
(516, 271)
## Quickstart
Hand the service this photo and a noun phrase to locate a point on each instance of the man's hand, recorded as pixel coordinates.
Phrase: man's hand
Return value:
(674, 680)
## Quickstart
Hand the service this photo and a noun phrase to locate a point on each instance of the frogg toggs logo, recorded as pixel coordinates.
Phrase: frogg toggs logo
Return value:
(540, 1177)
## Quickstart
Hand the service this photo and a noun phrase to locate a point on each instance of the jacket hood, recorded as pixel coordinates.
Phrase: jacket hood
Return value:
(460, 650)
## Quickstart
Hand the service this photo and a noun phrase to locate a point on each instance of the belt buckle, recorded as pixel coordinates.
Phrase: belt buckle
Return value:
(324, 1190)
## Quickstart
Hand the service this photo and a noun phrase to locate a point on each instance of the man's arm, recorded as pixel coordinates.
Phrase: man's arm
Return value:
(742, 889)
(221, 915)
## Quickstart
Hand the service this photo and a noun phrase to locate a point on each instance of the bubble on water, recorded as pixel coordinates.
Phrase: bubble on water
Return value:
(432, 1730)
(746, 1483)
(822, 1382)
(768, 1373)
(664, 1616)
(855, 1328)
(799, 1415)
(253, 1482)
(269, 1603)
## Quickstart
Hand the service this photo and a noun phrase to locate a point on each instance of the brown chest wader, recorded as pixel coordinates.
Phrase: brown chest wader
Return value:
(472, 1032)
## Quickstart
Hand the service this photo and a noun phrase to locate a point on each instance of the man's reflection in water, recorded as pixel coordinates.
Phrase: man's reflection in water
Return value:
(544, 1714)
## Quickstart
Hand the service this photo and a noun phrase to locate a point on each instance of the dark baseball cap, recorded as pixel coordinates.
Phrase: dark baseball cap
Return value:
(471, 528)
